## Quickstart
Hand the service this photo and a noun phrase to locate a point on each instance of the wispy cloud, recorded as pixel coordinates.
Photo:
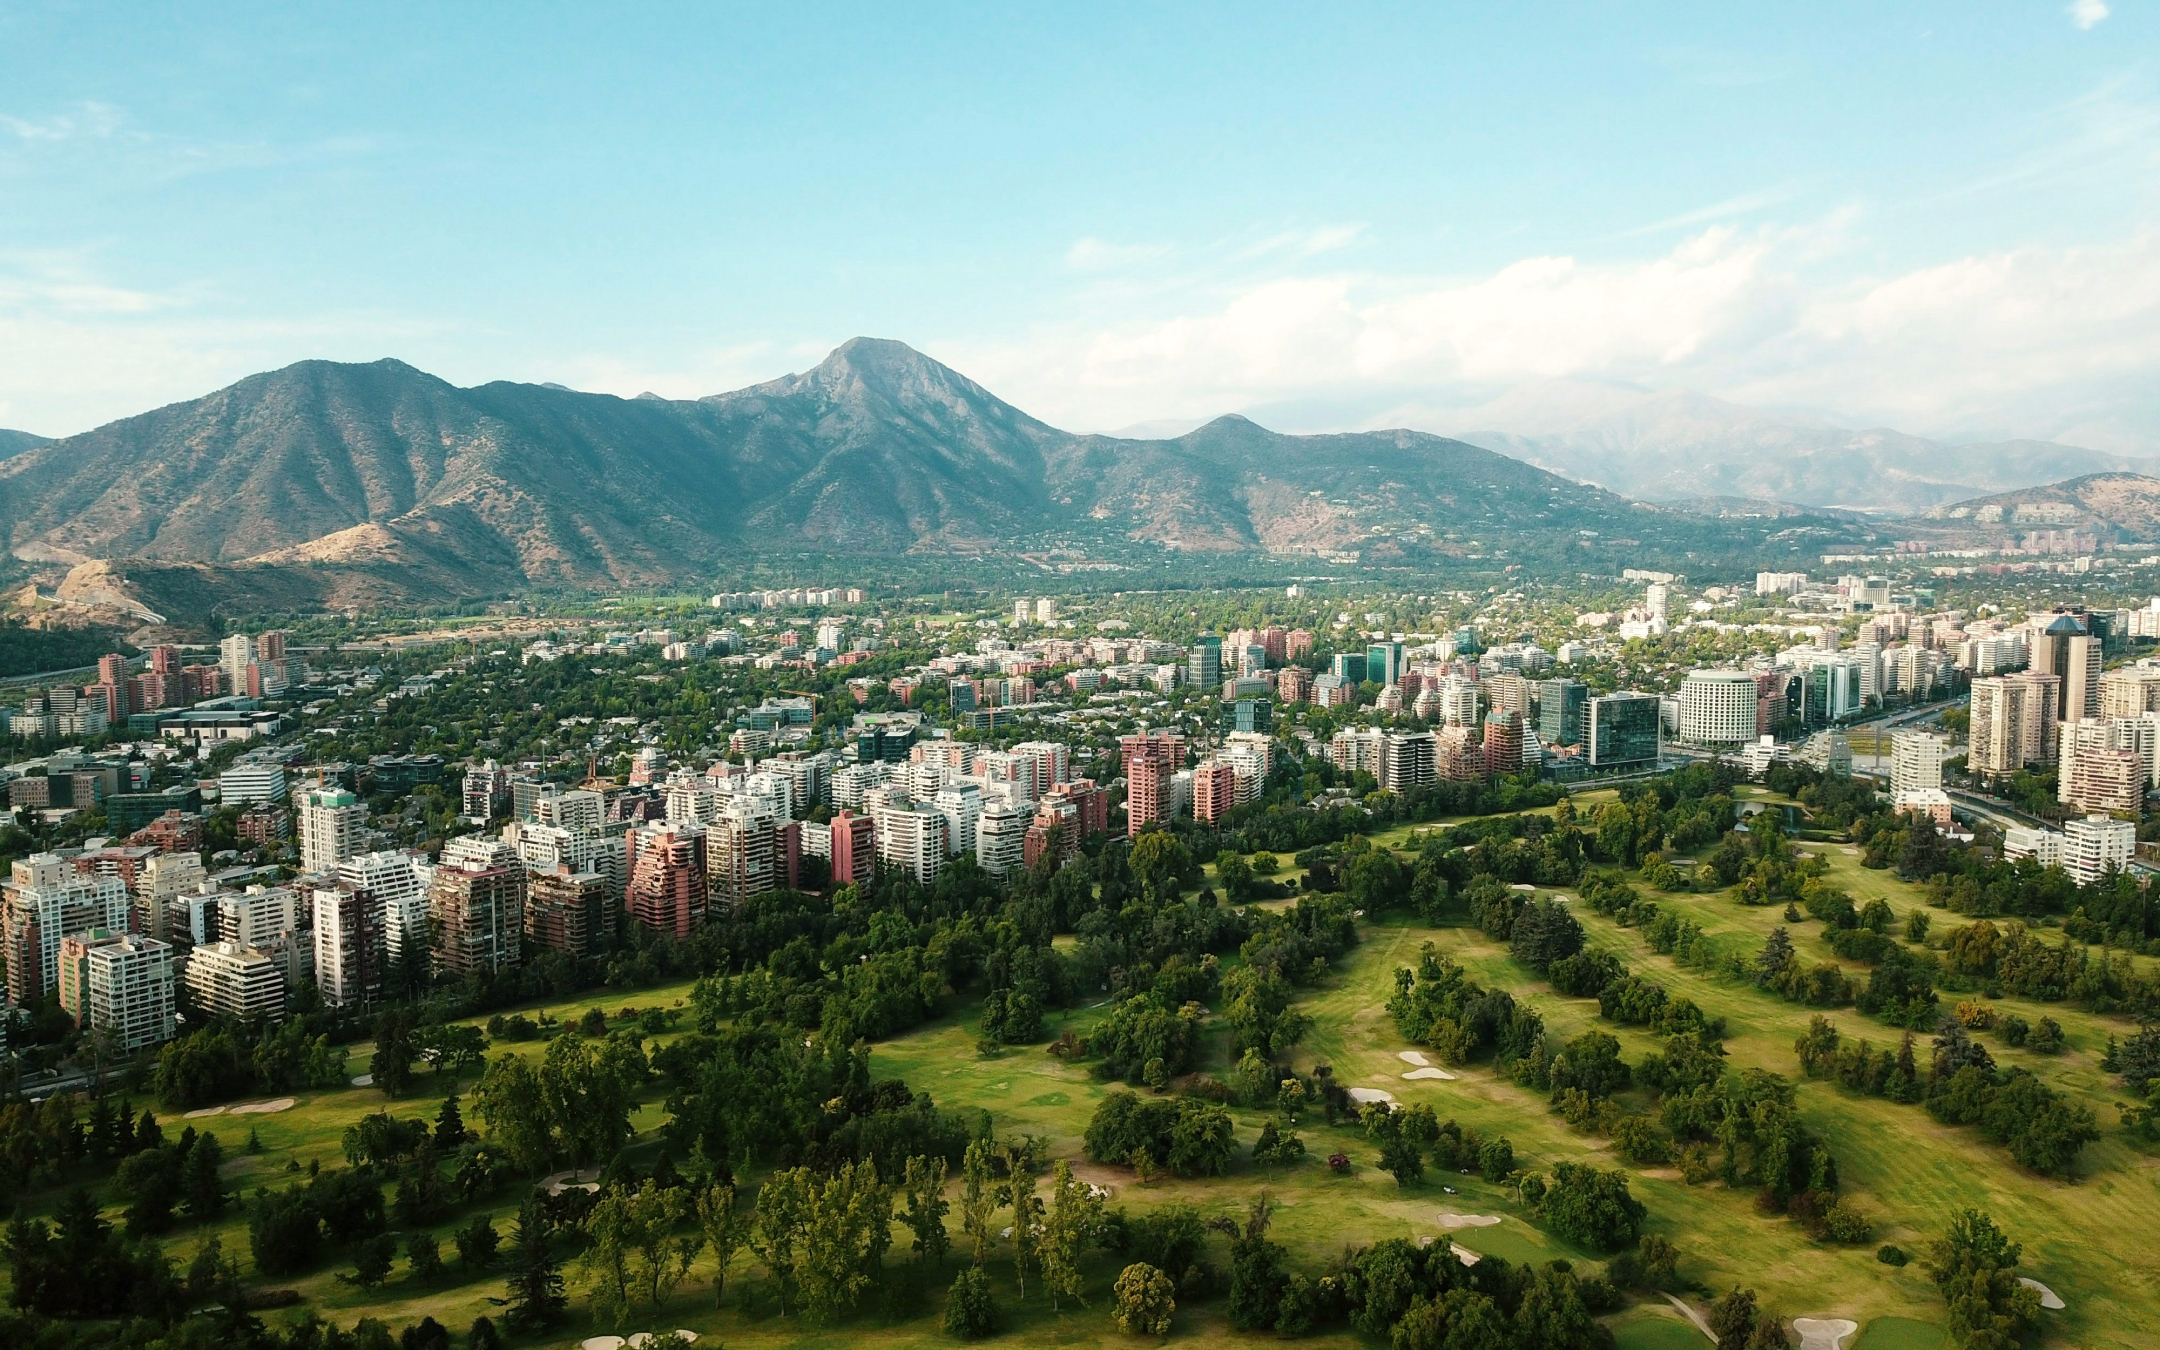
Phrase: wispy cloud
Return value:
(1723, 212)
(2087, 14)
(1089, 254)
(88, 120)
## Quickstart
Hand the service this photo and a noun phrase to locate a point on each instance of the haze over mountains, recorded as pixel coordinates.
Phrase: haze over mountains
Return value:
(1678, 447)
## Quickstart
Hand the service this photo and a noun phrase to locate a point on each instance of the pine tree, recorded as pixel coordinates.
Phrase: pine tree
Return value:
(536, 1284)
(450, 1128)
(1776, 955)
(202, 1188)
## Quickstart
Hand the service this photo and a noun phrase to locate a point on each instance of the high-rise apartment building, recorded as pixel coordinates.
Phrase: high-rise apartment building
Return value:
(1503, 741)
(131, 990)
(670, 877)
(2065, 649)
(854, 849)
(476, 900)
(2131, 691)
(1717, 707)
(229, 980)
(1408, 760)
(1214, 787)
(2105, 765)
(1384, 662)
(1001, 838)
(2013, 723)
(44, 900)
(1203, 663)
(1459, 700)
(399, 883)
(2097, 845)
(351, 949)
(567, 911)
(910, 842)
(750, 849)
(333, 827)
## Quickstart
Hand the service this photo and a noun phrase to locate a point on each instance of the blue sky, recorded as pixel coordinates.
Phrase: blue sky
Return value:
(1941, 217)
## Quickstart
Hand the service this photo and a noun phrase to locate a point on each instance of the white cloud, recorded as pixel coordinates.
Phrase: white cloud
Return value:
(2032, 341)
(2086, 14)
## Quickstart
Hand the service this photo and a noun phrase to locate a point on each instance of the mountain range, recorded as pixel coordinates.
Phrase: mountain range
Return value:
(375, 481)
(1678, 446)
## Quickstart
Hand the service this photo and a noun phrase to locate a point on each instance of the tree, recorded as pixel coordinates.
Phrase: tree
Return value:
(372, 1258)
(1398, 1153)
(1074, 1218)
(1732, 1319)
(977, 1199)
(535, 1285)
(513, 1105)
(1144, 1301)
(663, 1257)
(202, 1185)
(476, 1243)
(450, 1128)
(424, 1255)
(725, 1232)
(970, 1313)
(391, 1066)
(1020, 1196)
(1975, 1267)
(1256, 1271)
(483, 1335)
(923, 1186)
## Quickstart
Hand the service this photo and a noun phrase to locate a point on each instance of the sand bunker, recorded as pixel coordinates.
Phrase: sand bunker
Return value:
(201, 1111)
(601, 1343)
(1368, 1096)
(265, 1108)
(363, 1080)
(1416, 1057)
(2049, 1299)
(1464, 1254)
(1450, 1219)
(1850, 852)
(1823, 1333)
(1416, 1075)
(557, 1183)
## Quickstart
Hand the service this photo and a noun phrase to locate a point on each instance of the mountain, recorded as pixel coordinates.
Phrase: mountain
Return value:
(1669, 447)
(15, 442)
(2124, 507)
(360, 484)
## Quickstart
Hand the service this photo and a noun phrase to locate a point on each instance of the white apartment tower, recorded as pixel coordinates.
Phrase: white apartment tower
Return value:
(333, 827)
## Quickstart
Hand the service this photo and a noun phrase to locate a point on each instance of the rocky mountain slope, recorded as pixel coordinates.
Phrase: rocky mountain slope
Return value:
(375, 479)
(15, 442)
(2117, 506)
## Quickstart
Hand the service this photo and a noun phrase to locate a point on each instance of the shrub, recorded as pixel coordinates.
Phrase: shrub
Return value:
(970, 1312)
(1890, 1254)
